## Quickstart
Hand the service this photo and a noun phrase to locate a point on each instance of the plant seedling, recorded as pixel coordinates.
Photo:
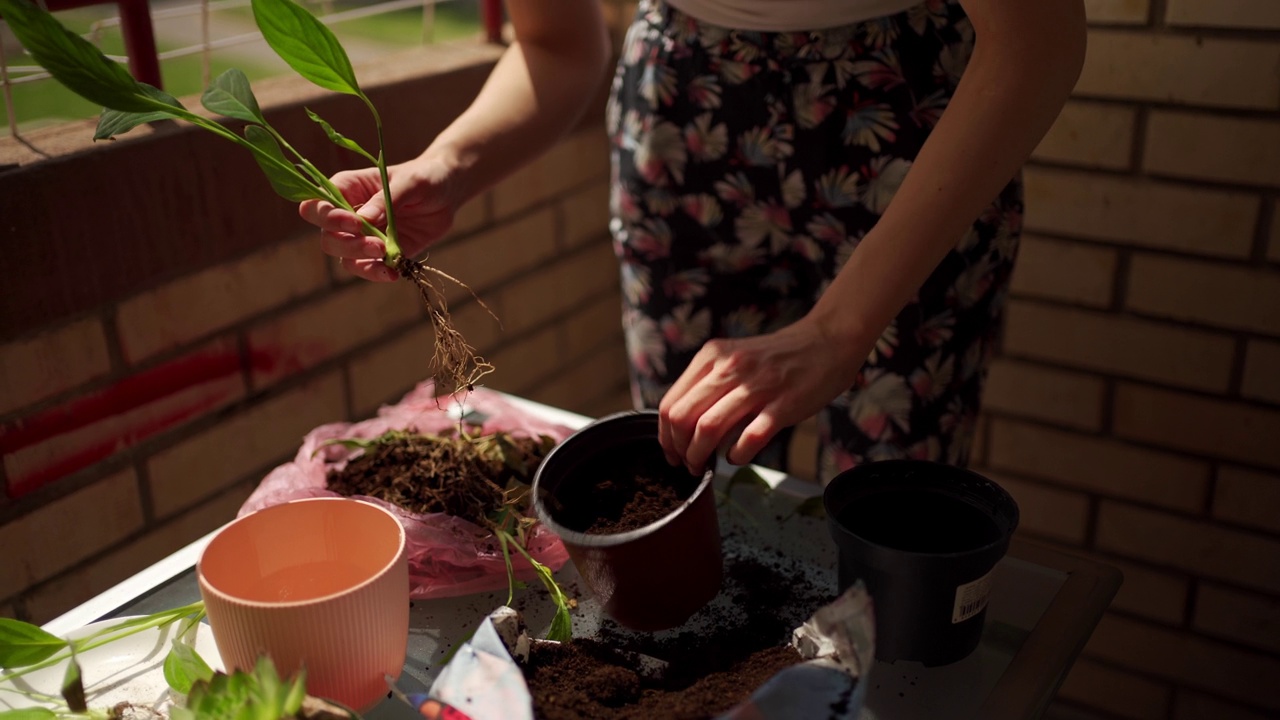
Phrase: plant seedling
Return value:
(311, 49)
(241, 695)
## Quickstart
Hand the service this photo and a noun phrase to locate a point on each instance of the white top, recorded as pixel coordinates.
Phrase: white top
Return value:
(788, 15)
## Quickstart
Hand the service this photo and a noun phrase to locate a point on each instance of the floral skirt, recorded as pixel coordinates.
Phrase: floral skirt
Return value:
(746, 168)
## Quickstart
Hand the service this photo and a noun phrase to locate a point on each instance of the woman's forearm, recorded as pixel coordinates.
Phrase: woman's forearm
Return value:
(536, 92)
(1026, 59)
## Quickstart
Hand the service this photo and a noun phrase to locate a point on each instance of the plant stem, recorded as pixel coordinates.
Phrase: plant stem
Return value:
(391, 238)
(111, 634)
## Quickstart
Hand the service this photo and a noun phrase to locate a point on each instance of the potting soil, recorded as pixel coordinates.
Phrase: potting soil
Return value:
(441, 473)
(622, 491)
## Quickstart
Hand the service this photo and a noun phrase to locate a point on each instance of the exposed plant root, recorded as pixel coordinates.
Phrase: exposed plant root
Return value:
(454, 362)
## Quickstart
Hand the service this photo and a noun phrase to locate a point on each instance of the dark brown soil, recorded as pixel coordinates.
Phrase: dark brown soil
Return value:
(583, 679)
(716, 660)
(463, 477)
(624, 490)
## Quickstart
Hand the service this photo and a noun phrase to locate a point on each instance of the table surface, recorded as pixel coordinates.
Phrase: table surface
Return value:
(1044, 605)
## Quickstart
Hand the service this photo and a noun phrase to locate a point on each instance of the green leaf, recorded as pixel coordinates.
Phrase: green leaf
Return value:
(183, 667)
(231, 95)
(811, 507)
(306, 45)
(23, 644)
(561, 625)
(118, 122)
(339, 139)
(296, 694)
(35, 713)
(284, 178)
(72, 60)
(73, 686)
(744, 476)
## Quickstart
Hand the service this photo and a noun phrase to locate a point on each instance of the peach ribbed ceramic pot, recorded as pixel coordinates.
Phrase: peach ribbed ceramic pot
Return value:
(320, 583)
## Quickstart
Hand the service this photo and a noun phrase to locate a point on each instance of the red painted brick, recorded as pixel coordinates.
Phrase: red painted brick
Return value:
(84, 431)
(53, 361)
(267, 432)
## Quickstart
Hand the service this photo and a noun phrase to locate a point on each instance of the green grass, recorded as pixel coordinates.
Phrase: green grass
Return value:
(46, 102)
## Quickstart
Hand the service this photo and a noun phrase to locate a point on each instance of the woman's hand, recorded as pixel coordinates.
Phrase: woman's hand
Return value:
(760, 385)
(424, 211)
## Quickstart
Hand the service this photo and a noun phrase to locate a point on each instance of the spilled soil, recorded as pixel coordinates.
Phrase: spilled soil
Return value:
(716, 661)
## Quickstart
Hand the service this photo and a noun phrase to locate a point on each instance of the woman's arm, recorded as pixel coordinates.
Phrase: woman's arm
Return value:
(1026, 58)
(536, 92)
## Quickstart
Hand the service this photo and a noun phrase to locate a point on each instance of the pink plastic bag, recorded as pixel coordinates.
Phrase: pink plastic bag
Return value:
(448, 556)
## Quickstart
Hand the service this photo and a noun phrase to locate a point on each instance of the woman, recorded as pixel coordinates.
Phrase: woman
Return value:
(801, 226)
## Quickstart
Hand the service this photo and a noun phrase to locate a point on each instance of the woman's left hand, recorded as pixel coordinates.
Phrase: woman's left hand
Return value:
(761, 384)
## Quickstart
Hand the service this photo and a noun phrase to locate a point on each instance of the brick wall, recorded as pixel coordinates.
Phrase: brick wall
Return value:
(1135, 412)
(141, 401)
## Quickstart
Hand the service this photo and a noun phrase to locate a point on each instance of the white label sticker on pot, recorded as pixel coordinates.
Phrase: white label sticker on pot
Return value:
(971, 598)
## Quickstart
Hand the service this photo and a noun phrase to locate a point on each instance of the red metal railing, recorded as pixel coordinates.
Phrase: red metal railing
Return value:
(140, 37)
(135, 26)
(491, 15)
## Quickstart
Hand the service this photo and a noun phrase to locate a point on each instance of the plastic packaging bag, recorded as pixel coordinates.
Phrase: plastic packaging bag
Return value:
(448, 556)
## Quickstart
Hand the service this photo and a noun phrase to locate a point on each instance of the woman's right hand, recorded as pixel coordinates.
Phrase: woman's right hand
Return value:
(424, 212)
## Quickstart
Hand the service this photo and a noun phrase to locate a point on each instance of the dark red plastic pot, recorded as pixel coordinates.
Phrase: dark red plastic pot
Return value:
(924, 537)
(651, 578)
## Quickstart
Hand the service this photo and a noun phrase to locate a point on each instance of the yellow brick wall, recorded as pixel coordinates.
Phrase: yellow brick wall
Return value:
(1135, 410)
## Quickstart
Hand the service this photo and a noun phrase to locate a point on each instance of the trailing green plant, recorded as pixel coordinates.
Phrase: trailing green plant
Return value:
(203, 694)
(312, 50)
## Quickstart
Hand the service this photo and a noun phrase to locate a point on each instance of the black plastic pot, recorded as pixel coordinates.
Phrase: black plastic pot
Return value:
(924, 537)
(651, 578)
